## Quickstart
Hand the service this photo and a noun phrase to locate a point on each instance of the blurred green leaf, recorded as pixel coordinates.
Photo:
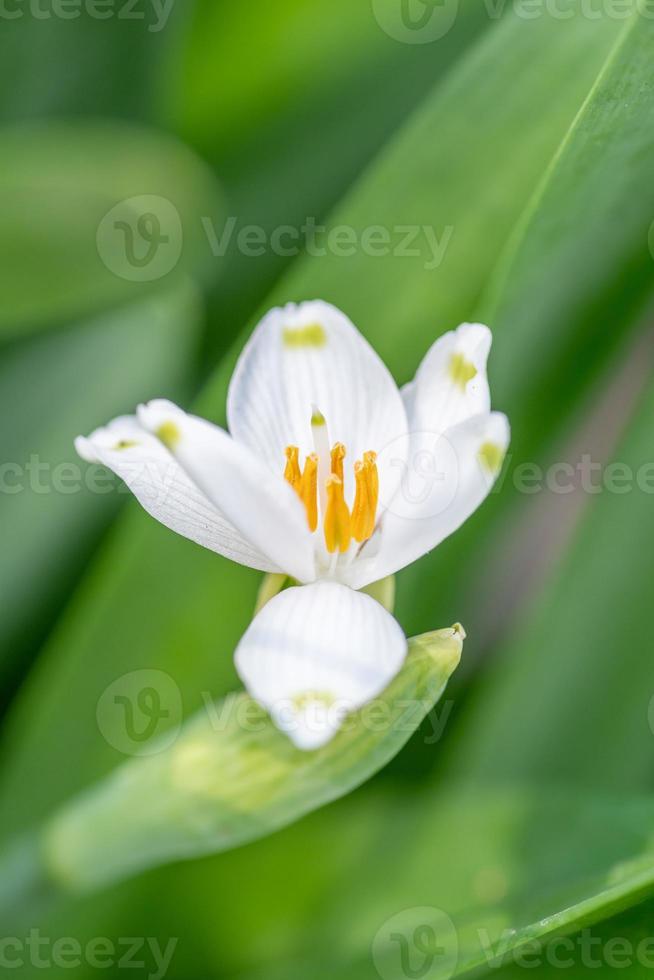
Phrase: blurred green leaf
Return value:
(574, 278)
(67, 253)
(290, 103)
(584, 650)
(230, 777)
(53, 504)
(90, 59)
(493, 876)
(491, 871)
(623, 942)
(432, 176)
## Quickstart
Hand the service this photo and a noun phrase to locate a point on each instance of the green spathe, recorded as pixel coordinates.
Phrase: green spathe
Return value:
(232, 776)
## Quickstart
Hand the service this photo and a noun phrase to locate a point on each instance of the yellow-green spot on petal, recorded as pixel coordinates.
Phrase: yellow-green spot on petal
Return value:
(125, 444)
(307, 698)
(461, 370)
(491, 456)
(313, 335)
(317, 419)
(169, 434)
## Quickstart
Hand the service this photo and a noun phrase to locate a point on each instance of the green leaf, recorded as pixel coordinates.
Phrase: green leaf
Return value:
(584, 644)
(83, 59)
(53, 503)
(571, 282)
(439, 179)
(495, 875)
(623, 942)
(68, 254)
(266, 95)
(585, 634)
(230, 776)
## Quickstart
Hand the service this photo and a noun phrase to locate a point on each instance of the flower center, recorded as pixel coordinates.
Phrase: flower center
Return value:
(340, 525)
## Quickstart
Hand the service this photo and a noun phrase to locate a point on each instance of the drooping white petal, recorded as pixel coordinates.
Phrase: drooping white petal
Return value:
(260, 504)
(445, 479)
(165, 491)
(315, 653)
(451, 383)
(304, 356)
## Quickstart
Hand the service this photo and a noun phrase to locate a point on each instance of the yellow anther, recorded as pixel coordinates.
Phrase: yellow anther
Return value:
(361, 508)
(366, 496)
(309, 490)
(338, 455)
(370, 463)
(339, 525)
(338, 533)
(292, 472)
(304, 483)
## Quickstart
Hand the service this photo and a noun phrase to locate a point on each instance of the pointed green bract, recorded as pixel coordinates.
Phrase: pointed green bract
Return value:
(231, 776)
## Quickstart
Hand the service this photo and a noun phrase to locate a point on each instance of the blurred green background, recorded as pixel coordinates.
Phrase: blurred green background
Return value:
(522, 135)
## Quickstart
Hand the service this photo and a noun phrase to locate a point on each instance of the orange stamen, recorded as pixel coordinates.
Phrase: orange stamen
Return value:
(365, 499)
(370, 463)
(338, 455)
(292, 473)
(308, 490)
(361, 508)
(339, 525)
(338, 532)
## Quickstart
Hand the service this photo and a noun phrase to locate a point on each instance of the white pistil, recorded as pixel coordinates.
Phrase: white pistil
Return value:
(321, 445)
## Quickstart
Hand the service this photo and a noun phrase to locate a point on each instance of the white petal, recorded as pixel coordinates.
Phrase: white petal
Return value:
(446, 479)
(304, 356)
(451, 383)
(165, 491)
(315, 653)
(260, 504)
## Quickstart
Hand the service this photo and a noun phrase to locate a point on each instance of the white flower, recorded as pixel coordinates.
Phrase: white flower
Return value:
(331, 475)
